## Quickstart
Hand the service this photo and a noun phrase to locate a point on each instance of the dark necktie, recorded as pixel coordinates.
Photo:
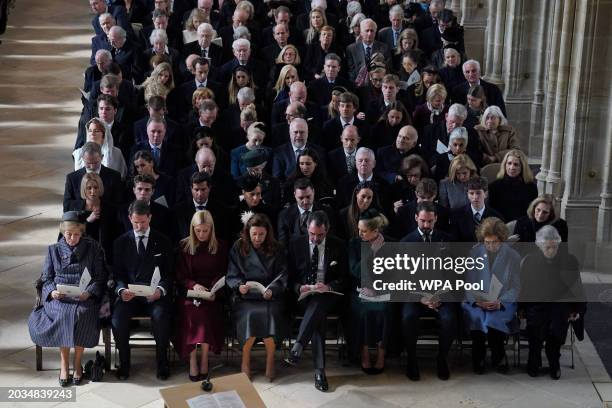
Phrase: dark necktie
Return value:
(368, 54)
(477, 218)
(297, 153)
(350, 163)
(426, 237)
(156, 154)
(304, 220)
(200, 207)
(314, 265)
(395, 38)
(204, 53)
(141, 247)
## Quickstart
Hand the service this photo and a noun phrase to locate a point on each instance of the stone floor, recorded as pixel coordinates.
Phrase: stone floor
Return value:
(42, 58)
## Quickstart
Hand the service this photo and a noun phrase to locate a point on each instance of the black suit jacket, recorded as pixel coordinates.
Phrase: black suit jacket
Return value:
(300, 260)
(128, 267)
(437, 131)
(492, 92)
(171, 158)
(223, 187)
(113, 187)
(337, 164)
(98, 42)
(289, 221)
(215, 54)
(320, 90)
(283, 162)
(174, 133)
(436, 236)
(332, 130)
(125, 57)
(185, 95)
(160, 219)
(118, 12)
(224, 74)
(92, 74)
(183, 212)
(347, 184)
(404, 221)
(462, 224)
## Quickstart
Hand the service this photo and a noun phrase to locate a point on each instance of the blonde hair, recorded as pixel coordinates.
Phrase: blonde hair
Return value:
(526, 173)
(94, 178)
(191, 243)
(461, 161)
(436, 90)
(279, 58)
(376, 223)
(249, 113)
(204, 92)
(407, 34)
(152, 86)
(195, 13)
(311, 32)
(280, 82)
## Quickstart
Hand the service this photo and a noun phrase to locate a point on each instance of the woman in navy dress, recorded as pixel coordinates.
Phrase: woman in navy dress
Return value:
(492, 320)
(65, 322)
(202, 261)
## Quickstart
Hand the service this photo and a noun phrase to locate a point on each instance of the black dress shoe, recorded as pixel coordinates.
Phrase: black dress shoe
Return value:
(123, 374)
(555, 370)
(321, 382)
(293, 359)
(77, 380)
(532, 371)
(194, 378)
(443, 371)
(412, 371)
(368, 370)
(163, 373)
(479, 367)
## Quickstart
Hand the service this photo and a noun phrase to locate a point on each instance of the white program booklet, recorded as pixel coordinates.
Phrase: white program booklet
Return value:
(432, 296)
(441, 147)
(147, 290)
(207, 294)
(225, 399)
(304, 295)
(492, 295)
(380, 298)
(162, 200)
(75, 291)
(258, 287)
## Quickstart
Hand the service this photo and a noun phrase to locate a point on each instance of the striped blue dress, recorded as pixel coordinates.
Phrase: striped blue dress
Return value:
(69, 323)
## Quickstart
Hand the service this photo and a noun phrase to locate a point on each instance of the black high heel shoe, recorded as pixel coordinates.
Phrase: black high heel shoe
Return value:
(77, 380)
(63, 382)
(194, 378)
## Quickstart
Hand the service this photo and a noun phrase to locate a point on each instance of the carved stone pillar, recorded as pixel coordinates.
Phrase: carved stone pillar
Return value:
(474, 21)
(494, 64)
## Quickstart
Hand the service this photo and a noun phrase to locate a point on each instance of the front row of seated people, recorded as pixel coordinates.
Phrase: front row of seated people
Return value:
(313, 260)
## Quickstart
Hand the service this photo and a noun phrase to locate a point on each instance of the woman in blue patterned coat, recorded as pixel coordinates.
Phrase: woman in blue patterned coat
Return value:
(66, 322)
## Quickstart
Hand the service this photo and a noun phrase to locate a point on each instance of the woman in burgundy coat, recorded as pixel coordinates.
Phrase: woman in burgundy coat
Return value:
(202, 261)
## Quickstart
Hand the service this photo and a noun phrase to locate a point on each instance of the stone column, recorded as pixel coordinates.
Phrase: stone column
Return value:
(498, 29)
(474, 21)
(604, 214)
(456, 8)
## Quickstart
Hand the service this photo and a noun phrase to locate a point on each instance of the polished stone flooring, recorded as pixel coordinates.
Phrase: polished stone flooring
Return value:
(42, 58)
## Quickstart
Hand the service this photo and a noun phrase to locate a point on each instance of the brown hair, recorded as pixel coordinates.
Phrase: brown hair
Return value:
(270, 245)
(492, 226)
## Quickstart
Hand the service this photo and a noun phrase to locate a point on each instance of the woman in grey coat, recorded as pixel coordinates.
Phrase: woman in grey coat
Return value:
(62, 321)
(453, 189)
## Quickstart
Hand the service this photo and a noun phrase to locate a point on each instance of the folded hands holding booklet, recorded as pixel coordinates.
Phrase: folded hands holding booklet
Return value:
(146, 290)
(258, 287)
(369, 295)
(72, 291)
(207, 294)
(314, 290)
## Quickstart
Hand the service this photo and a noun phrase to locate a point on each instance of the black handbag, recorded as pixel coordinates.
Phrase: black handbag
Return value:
(95, 369)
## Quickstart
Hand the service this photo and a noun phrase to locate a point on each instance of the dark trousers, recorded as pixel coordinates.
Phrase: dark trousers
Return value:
(447, 321)
(546, 323)
(495, 339)
(158, 311)
(314, 324)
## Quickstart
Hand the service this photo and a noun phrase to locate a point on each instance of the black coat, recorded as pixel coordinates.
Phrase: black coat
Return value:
(113, 187)
(223, 187)
(435, 236)
(492, 92)
(526, 228)
(511, 196)
(284, 162)
(289, 221)
(462, 225)
(332, 130)
(171, 158)
(336, 275)
(183, 212)
(320, 90)
(347, 184)
(160, 219)
(404, 222)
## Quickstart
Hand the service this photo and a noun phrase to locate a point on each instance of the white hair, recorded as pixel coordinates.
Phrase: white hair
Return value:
(158, 34)
(397, 9)
(104, 53)
(357, 19)
(206, 27)
(246, 94)
(458, 110)
(368, 20)
(106, 15)
(451, 50)
(471, 62)
(353, 7)
(322, 4)
(547, 233)
(459, 133)
(119, 30)
(366, 150)
(242, 32)
(241, 41)
(495, 111)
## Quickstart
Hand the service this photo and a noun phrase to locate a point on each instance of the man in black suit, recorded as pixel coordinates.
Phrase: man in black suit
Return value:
(360, 53)
(342, 160)
(390, 35)
(270, 52)
(471, 72)
(204, 47)
(137, 254)
(405, 219)
(100, 41)
(317, 261)
(102, 61)
(118, 12)
(390, 89)
(434, 38)
(168, 158)
(285, 155)
(445, 312)
(201, 185)
(225, 190)
(92, 159)
(435, 137)
(158, 45)
(242, 56)
(292, 220)
(201, 70)
(365, 162)
(123, 50)
(143, 190)
(464, 221)
(161, 21)
(156, 106)
(240, 18)
(282, 15)
(348, 104)
(389, 158)
(297, 93)
(320, 90)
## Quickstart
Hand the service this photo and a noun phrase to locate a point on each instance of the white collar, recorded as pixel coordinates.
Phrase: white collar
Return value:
(146, 234)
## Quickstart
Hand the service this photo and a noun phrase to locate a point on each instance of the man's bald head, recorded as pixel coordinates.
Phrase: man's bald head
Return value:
(206, 160)
(297, 92)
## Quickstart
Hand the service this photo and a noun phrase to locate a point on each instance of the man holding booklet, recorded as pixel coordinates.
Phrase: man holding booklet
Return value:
(142, 270)
(318, 269)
